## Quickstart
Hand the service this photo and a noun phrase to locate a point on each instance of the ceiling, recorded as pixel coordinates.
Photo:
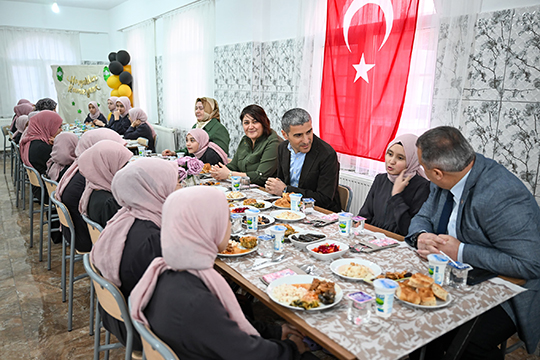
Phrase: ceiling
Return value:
(87, 4)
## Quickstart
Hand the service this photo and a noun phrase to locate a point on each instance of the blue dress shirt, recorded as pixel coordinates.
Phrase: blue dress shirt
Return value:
(297, 162)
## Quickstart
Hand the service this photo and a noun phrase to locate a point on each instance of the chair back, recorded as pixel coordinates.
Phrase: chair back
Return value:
(109, 296)
(50, 185)
(345, 197)
(5, 132)
(154, 348)
(63, 213)
(33, 176)
(142, 141)
(93, 228)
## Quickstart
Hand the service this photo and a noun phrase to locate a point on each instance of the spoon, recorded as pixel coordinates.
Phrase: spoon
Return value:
(274, 259)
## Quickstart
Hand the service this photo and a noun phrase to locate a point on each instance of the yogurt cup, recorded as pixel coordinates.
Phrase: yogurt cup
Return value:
(235, 180)
(295, 202)
(384, 296)
(252, 219)
(278, 233)
(437, 267)
(345, 223)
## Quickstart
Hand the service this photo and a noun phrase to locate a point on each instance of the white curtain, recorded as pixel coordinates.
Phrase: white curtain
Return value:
(188, 61)
(26, 56)
(140, 44)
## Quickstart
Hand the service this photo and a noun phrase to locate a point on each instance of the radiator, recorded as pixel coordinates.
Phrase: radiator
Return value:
(166, 138)
(360, 185)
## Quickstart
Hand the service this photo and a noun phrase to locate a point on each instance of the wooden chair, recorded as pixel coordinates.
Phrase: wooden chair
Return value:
(112, 301)
(93, 228)
(51, 186)
(154, 348)
(345, 197)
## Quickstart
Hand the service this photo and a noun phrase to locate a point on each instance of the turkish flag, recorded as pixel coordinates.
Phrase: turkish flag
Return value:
(366, 66)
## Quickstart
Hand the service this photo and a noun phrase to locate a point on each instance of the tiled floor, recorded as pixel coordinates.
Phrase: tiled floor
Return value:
(33, 318)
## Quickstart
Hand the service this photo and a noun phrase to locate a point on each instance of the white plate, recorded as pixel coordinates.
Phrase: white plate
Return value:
(237, 255)
(276, 213)
(440, 303)
(301, 244)
(240, 207)
(335, 265)
(331, 256)
(270, 218)
(267, 205)
(222, 188)
(281, 207)
(241, 197)
(301, 279)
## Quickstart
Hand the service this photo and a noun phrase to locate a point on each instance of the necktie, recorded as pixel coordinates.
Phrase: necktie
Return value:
(445, 215)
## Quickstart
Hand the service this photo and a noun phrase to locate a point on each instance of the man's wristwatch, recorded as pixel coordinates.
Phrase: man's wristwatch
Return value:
(414, 238)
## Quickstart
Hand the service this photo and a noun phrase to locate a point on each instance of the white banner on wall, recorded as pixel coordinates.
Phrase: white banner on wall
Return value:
(76, 86)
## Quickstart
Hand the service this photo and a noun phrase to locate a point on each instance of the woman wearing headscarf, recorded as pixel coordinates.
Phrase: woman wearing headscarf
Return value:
(119, 122)
(199, 145)
(46, 104)
(397, 195)
(257, 153)
(98, 165)
(23, 108)
(187, 303)
(208, 118)
(20, 124)
(62, 155)
(95, 116)
(140, 127)
(131, 239)
(71, 186)
(111, 104)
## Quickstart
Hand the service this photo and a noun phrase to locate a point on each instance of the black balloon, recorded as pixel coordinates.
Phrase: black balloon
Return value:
(116, 68)
(126, 78)
(112, 56)
(123, 57)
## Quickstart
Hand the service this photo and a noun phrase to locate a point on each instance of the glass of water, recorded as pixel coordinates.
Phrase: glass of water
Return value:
(265, 246)
(360, 305)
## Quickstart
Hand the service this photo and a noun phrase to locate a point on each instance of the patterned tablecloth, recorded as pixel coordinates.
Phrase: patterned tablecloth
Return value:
(408, 328)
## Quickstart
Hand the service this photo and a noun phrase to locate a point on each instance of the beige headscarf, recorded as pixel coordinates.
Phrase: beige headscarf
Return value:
(211, 111)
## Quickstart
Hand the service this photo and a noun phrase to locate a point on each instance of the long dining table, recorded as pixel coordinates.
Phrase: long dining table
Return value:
(407, 329)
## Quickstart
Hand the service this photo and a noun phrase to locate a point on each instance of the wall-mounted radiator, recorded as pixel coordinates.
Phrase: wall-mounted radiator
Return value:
(360, 185)
(166, 138)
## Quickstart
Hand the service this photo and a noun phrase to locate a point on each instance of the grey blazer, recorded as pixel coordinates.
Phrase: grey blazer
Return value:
(499, 222)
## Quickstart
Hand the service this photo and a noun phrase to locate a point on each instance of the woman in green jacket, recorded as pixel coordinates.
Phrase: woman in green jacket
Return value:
(256, 155)
(207, 114)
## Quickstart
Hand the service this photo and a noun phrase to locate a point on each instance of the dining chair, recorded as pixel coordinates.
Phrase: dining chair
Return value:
(153, 347)
(65, 219)
(20, 178)
(50, 185)
(93, 228)
(112, 301)
(345, 197)
(35, 180)
(5, 133)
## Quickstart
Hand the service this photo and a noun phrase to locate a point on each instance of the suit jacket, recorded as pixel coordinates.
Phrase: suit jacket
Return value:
(499, 222)
(319, 178)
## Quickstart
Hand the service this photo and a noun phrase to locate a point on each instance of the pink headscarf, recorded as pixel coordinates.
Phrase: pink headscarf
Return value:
(96, 115)
(24, 101)
(63, 154)
(21, 109)
(141, 189)
(20, 124)
(408, 141)
(194, 223)
(139, 114)
(114, 99)
(204, 143)
(127, 104)
(98, 165)
(42, 127)
(88, 139)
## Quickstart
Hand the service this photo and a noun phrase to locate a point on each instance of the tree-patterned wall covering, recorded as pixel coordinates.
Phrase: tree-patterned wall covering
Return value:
(499, 110)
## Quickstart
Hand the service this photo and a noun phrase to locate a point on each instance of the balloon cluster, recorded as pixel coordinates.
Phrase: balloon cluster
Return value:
(120, 80)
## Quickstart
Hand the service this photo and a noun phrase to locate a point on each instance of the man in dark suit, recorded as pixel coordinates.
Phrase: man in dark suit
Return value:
(306, 164)
(481, 214)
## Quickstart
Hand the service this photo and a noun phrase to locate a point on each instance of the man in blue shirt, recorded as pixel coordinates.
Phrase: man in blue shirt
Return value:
(306, 164)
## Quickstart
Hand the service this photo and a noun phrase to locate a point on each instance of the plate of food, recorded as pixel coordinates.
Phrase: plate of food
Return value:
(304, 238)
(421, 292)
(235, 195)
(259, 204)
(264, 220)
(304, 292)
(355, 269)
(284, 202)
(287, 215)
(211, 183)
(239, 246)
(240, 209)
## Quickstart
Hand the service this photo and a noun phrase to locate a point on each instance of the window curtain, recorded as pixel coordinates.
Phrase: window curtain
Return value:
(140, 44)
(188, 61)
(26, 56)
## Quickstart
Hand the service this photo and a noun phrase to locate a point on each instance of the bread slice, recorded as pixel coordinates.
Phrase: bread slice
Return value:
(407, 293)
(420, 281)
(439, 292)
(427, 298)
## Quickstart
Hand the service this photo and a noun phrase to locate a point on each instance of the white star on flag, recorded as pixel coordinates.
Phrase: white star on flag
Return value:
(362, 69)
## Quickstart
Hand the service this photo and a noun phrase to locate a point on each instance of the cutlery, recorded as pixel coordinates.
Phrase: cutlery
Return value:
(324, 223)
(307, 268)
(273, 260)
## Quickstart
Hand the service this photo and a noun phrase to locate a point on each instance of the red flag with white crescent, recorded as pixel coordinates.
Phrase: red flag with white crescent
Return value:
(366, 66)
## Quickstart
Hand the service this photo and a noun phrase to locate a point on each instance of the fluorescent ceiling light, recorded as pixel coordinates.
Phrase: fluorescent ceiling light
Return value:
(55, 8)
